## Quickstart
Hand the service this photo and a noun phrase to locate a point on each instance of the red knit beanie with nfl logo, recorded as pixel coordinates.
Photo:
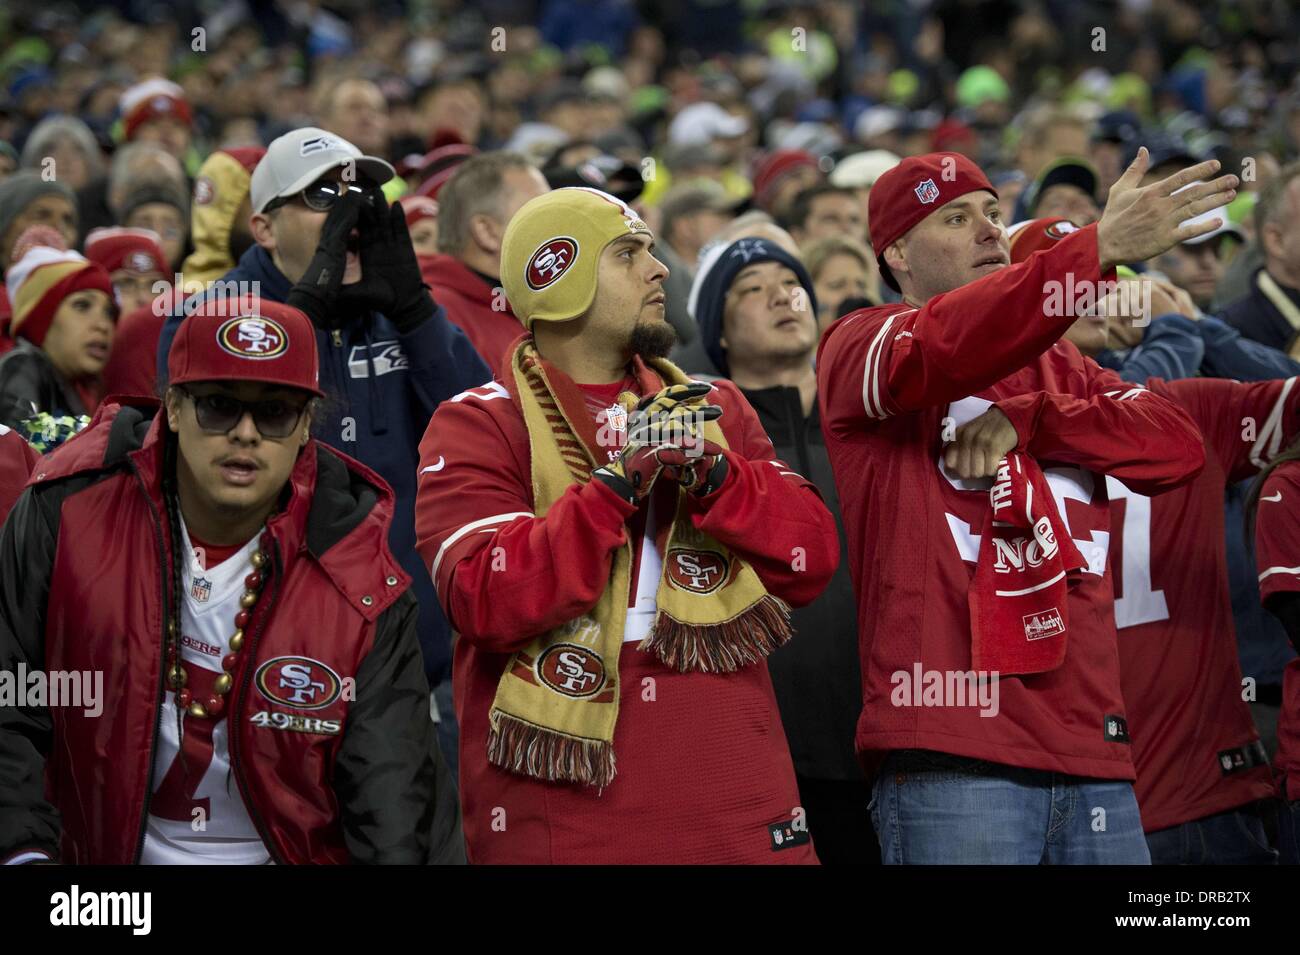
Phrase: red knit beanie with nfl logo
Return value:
(909, 192)
(247, 339)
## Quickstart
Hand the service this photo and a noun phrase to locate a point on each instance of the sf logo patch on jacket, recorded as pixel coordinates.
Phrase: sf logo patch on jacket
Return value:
(299, 682)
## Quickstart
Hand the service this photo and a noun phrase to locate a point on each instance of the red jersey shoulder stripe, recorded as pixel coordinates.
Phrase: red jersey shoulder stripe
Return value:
(871, 399)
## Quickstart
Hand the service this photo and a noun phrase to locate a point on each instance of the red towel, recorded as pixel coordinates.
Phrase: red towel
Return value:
(1027, 563)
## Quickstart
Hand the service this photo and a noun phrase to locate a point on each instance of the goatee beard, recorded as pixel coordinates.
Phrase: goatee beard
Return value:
(652, 340)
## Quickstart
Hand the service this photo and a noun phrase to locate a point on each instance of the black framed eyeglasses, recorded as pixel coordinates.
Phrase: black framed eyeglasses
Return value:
(220, 414)
(322, 194)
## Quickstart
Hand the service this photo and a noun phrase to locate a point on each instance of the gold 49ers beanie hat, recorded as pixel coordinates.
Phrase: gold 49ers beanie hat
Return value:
(551, 249)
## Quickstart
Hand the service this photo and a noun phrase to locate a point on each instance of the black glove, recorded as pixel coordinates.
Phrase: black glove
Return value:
(632, 473)
(390, 273)
(317, 292)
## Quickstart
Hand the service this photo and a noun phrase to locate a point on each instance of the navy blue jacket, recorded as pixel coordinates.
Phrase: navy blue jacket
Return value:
(381, 390)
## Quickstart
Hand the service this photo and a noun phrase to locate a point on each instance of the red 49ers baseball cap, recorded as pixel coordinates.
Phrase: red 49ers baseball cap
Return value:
(909, 192)
(1035, 235)
(247, 339)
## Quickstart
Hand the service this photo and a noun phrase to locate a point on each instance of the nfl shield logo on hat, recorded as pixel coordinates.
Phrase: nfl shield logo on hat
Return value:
(927, 191)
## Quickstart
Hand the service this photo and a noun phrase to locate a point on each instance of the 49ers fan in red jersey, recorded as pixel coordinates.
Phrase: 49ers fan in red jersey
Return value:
(219, 588)
(990, 671)
(1274, 509)
(618, 548)
(1203, 780)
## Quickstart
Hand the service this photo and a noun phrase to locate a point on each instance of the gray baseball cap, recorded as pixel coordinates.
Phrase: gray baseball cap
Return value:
(301, 156)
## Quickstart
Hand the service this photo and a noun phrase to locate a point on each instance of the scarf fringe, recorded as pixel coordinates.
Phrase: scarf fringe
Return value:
(726, 647)
(521, 747)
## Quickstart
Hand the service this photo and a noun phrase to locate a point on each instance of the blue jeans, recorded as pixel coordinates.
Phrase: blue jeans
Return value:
(448, 730)
(935, 809)
(1235, 837)
(1288, 831)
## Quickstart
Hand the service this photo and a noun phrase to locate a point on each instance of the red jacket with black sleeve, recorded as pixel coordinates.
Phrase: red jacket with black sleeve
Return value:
(894, 383)
(353, 775)
(704, 772)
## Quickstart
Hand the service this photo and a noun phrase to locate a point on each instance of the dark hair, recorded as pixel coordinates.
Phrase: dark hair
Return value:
(172, 615)
(801, 208)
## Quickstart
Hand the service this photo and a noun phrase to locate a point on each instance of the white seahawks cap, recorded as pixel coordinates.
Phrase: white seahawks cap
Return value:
(301, 156)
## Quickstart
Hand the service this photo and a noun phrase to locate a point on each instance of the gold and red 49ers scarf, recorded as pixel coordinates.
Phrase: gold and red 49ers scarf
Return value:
(556, 705)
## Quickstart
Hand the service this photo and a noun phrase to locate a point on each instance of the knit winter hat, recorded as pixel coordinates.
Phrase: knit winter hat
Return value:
(416, 208)
(720, 271)
(20, 190)
(131, 250)
(160, 191)
(773, 168)
(40, 281)
(551, 249)
(156, 98)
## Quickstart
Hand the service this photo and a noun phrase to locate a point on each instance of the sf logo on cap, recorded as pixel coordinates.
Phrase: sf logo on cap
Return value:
(927, 191)
(551, 260)
(250, 337)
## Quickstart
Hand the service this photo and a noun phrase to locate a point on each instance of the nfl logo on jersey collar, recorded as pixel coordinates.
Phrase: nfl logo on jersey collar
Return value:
(927, 191)
(616, 416)
(201, 589)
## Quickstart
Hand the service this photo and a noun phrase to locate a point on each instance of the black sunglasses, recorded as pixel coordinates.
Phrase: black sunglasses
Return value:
(322, 194)
(220, 414)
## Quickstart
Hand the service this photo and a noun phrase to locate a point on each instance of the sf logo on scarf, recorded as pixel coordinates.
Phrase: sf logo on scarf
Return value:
(696, 571)
(571, 670)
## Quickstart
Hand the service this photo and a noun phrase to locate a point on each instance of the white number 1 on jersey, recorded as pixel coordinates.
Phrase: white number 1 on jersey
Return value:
(1140, 603)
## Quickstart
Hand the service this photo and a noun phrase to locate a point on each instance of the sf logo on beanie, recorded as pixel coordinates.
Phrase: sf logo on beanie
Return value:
(551, 260)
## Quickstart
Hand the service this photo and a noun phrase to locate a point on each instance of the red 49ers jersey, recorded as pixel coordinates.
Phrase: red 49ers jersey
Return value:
(704, 771)
(1194, 742)
(1277, 552)
(894, 383)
